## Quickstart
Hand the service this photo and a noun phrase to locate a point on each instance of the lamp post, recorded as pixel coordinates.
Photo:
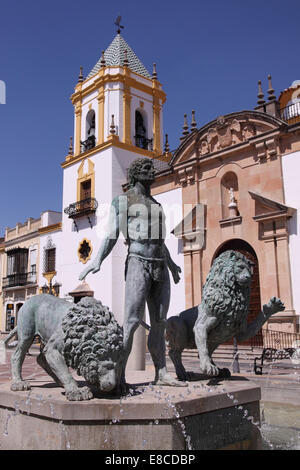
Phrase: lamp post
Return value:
(51, 289)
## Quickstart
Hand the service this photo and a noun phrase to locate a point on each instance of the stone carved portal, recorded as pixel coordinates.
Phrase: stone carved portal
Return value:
(255, 300)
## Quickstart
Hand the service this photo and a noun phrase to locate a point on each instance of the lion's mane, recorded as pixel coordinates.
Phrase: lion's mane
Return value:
(91, 336)
(222, 294)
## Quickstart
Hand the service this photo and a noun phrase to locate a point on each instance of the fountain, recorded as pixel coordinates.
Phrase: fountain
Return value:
(151, 409)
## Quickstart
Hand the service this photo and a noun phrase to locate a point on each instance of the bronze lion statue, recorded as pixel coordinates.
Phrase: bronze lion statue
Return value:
(84, 336)
(222, 315)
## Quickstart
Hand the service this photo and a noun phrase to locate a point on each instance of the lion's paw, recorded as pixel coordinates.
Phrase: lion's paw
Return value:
(209, 369)
(79, 394)
(273, 306)
(20, 386)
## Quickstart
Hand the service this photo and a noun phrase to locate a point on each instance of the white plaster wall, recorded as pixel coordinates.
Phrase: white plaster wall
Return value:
(291, 171)
(113, 104)
(50, 218)
(70, 266)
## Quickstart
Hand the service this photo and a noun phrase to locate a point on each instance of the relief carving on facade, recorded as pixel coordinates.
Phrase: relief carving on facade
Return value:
(186, 175)
(225, 134)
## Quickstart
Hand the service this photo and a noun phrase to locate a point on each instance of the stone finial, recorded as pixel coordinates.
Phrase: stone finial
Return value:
(271, 90)
(71, 146)
(167, 147)
(80, 77)
(112, 129)
(260, 94)
(185, 128)
(154, 73)
(103, 61)
(193, 123)
(125, 61)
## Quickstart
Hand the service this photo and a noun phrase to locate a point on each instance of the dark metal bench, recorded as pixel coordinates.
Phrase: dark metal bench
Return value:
(271, 355)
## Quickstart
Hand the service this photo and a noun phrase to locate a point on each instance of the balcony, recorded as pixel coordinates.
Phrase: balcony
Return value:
(19, 280)
(84, 208)
(88, 144)
(142, 142)
(291, 113)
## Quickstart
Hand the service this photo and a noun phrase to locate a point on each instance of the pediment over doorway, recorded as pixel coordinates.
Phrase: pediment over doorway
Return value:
(268, 208)
(272, 217)
(227, 131)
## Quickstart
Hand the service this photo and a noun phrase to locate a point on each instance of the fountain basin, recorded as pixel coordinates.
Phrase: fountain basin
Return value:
(208, 414)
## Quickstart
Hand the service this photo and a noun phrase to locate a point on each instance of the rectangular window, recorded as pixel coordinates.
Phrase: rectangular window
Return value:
(50, 256)
(85, 190)
(17, 261)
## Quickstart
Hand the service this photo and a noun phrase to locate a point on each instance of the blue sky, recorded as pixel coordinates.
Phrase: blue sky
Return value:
(209, 57)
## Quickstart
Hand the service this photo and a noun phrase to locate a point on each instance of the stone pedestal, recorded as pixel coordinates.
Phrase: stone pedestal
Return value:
(204, 415)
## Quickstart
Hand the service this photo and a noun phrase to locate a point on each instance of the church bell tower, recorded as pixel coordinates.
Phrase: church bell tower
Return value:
(117, 119)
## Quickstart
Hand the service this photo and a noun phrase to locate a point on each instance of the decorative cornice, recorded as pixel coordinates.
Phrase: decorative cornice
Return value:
(233, 122)
(124, 78)
(112, 141)
(50, 228)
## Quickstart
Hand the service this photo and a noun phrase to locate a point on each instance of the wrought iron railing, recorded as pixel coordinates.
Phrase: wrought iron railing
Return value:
(142, 142)
(276, 339)
(80, 208)
(88, 144)
(19, 279)
(291, 113)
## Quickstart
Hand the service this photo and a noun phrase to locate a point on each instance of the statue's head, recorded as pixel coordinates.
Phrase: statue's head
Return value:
(141, 170)
(93, 343)
(104, 374)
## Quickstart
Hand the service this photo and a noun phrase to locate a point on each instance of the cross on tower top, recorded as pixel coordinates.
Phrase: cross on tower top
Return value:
(117, 23)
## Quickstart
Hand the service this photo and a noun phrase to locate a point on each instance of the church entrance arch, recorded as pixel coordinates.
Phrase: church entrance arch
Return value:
(255, 300)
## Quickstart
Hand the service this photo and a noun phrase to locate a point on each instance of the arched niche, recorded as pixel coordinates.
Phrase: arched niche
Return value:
(229, 195)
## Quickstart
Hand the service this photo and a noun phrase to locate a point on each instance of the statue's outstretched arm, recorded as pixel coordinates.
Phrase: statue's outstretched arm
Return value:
(273, 306)
(108, 242)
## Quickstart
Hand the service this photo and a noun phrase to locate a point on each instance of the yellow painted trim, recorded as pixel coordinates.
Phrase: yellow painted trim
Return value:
(126, 110)
(117, 67)
(49, 276)
(156, 127)
(101, 99)
(85, 177)
(112, 140)
(126, 79)
(82, 260)
(78, 114)
(50, 228)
